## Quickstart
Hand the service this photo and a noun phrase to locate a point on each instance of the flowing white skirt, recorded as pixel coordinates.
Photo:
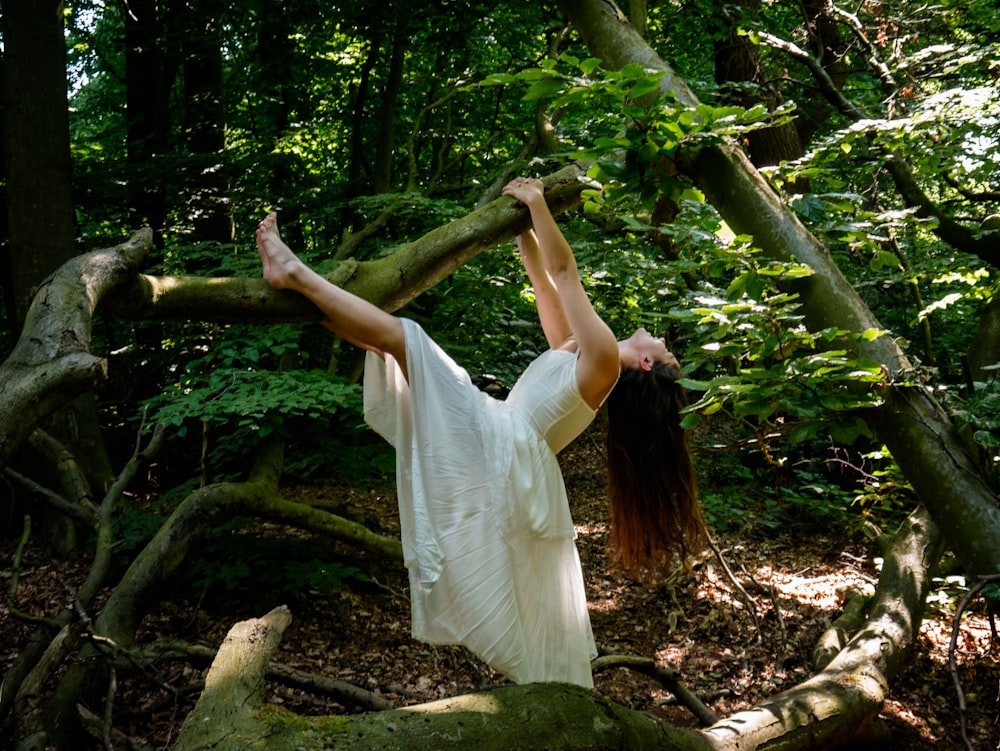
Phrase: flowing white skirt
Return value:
(487, 534)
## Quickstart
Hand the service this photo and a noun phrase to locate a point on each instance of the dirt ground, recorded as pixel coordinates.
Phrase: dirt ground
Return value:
(697, 625)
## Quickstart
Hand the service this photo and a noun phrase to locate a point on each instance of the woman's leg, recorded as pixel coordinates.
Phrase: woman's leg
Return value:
(348, 316)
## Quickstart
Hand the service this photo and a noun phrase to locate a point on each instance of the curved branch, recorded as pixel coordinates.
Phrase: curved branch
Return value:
(258, 496)
(51, 363)
(837, 706)
(835, 638)
(984, 581)
(840, 703)
(342, 691)
(827, 87)
(669, 678)
(880, 68)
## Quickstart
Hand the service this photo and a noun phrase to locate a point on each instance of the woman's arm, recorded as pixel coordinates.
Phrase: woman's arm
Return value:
(597, 366)
(547, 302)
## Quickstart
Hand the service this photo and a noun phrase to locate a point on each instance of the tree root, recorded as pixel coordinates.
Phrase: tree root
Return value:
(835, 638)
(984, 581)
(669, 678)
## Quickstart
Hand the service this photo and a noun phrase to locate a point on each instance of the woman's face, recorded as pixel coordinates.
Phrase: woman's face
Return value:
(651, 349)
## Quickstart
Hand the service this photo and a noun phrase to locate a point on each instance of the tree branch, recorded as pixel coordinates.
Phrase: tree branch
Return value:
(669, 678)
(341, 691)
(389, 282)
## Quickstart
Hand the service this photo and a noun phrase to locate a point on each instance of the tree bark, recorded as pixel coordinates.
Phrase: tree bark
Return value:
(205, 113)
(840, 705)
(738, 60)
(389, 282)
(235, 684)
(36, 147)
(386, 142)
(40, 209)
(51, 364)
(148, 77)
(258, 497)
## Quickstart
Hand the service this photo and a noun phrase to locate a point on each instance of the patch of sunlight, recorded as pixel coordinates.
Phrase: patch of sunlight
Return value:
(675, 654)
(478, 703)
(823, 591)
(590, 530)
(815, 590)
(606, 604)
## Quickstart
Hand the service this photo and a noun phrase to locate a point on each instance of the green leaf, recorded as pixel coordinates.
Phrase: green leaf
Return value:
(690, 421)
(642, 88)
(545, 88)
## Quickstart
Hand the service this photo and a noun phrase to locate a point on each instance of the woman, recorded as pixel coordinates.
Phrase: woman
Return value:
(486, 528)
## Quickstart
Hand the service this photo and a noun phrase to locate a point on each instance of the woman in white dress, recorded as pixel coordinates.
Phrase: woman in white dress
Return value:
(486, 529)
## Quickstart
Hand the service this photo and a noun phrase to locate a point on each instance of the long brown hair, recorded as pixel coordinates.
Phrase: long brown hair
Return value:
(655, 516)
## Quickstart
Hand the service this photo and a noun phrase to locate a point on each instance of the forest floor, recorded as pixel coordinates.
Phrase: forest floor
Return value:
(696, 624)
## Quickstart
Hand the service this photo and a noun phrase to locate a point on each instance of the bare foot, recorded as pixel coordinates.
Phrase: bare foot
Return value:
(279, 262)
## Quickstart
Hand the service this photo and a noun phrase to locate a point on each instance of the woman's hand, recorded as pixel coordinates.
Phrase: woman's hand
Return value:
(524, 189)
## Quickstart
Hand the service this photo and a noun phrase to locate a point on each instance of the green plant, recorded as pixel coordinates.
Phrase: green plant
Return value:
(765, 367)
(236, 561)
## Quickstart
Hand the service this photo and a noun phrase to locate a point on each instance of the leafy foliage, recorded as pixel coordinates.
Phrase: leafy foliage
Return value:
(307, 109)
(254, 402)
(237, 564)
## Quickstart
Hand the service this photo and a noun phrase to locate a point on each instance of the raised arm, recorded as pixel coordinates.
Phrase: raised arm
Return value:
(547, 302)
(568, 318)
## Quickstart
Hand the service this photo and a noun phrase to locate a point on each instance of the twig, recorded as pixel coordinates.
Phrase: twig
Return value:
(16, 573)
(85, 514)
(781, 624)
(93, 725)
(342, 691)
(669, 678)
(984, 581)
(15, 578)
(877, 66)
(748, 601)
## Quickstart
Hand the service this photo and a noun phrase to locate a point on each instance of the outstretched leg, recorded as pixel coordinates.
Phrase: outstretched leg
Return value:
(348, 316)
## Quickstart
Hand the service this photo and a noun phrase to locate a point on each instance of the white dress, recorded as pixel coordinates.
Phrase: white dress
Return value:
(486, 529)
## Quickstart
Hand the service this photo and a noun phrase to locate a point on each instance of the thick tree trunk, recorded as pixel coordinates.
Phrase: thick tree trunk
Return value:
(386, 143)
(148, 77)
(205, 115)
(36, 147)
(920, 435)
(738, 61)
(40, 210)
